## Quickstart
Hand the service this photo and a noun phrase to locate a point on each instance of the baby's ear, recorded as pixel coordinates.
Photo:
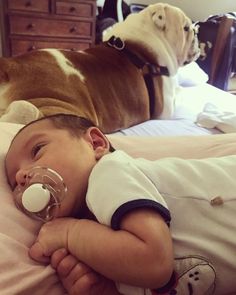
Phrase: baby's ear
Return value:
(99, 142)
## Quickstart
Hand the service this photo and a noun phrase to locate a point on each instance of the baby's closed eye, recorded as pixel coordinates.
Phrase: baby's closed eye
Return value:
(36, 149)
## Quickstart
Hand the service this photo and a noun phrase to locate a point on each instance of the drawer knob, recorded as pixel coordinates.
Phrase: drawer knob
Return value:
(72, 9)
(32, 47)
(30, 26)
(28, 3)
(73, 29)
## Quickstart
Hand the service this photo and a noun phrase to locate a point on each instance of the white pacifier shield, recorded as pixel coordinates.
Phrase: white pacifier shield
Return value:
(35, 198)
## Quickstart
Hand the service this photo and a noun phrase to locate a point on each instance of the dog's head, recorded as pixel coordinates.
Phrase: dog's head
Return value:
(177, 30)
(164, 31)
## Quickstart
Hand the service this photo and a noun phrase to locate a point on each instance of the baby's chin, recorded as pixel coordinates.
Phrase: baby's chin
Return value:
(69, 210)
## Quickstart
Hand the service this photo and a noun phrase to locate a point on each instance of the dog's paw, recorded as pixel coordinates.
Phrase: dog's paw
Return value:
(20, 111)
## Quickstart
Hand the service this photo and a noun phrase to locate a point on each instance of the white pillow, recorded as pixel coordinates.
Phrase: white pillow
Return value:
(18, 273)
(191, 75)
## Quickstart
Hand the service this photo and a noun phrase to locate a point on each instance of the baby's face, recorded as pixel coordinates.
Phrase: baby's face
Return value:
(41, 144)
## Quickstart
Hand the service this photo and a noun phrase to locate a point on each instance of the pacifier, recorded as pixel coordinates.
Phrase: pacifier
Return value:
(41, 195)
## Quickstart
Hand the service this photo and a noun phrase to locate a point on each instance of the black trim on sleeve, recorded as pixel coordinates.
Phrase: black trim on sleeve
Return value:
(135, 204)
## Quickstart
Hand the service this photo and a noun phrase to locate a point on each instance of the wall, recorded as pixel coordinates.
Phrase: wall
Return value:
(198, 10)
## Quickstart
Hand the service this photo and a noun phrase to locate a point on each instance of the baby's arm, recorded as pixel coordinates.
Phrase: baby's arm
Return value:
(140, 253)
(78, 278)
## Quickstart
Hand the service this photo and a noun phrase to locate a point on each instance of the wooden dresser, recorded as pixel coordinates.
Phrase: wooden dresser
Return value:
(34, 24)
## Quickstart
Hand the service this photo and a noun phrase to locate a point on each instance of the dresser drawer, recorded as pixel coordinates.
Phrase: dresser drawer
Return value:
(81, 9)
(49, 27)
(34, 24)
(23, 46)
(29, 5)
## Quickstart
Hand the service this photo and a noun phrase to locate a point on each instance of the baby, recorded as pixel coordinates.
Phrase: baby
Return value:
(133, 226)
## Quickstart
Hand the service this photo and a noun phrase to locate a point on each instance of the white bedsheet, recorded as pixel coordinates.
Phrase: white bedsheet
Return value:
(212, 117)
(167, 128)
(190, 102)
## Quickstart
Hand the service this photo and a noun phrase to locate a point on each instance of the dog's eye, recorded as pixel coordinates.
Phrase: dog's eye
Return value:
(186, 28)
(160, 16)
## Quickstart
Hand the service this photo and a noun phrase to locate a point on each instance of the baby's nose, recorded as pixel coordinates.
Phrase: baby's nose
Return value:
(21, 177)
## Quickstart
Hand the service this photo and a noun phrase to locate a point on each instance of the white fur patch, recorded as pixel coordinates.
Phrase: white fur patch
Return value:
(65, 64)
(165, 37)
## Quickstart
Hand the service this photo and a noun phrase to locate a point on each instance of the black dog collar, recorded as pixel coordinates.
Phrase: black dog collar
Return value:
(152, 69)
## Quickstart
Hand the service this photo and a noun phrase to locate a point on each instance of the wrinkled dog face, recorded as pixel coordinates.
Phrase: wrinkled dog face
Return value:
(177, 30)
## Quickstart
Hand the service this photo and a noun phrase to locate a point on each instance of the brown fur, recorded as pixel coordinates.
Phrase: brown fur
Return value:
(113, 94)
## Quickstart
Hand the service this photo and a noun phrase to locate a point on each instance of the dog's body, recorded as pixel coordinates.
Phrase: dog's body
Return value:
(48, 80)
(103, 83)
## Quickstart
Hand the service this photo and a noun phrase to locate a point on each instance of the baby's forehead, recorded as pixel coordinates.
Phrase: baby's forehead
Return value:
(35, 126)
(41, 123)
(30, 130)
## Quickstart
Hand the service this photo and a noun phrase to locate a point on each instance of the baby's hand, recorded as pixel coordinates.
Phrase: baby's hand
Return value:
(79, 279)
(52, 236)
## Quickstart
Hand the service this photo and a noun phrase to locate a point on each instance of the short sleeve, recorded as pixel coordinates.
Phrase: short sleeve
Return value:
(117, 186)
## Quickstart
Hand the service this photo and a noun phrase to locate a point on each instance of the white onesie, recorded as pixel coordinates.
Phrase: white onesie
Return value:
(197, 198)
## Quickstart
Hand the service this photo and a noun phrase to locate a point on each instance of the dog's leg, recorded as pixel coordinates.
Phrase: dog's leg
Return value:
(169, 92)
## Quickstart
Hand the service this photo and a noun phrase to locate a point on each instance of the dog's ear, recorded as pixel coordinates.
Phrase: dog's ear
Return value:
(159, 16)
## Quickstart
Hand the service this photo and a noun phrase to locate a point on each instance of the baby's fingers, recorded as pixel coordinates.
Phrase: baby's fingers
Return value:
(85, 284)
(67, 265)
(36, 252)
(58, 256)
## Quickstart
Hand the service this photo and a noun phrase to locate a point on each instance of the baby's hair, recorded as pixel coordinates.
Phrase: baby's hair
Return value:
(76, 125)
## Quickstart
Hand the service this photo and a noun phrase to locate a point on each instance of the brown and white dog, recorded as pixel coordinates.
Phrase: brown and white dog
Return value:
(106, 83)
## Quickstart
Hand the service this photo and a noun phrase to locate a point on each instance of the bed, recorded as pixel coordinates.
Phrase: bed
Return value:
(200, 109)
(202, 112)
